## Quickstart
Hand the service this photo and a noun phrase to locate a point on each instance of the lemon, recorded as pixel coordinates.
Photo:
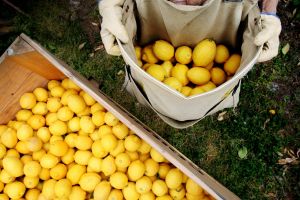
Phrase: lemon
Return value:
(147, 196)
(217, 75)
(86, 124)
(173, 83)
(52, 84)
(65, 113)
(151, 167)
(208, 86)
(88, 99)
(75, 172)
(36, 121)
(74, 124)
(23, 115)
(55, 138)
(209, 66)
(120, 131)
(24, 132)
(48, 161)
(77, 193)
(4, 197)
(95, 164)
(27, 100)
(68, 157)
(26, 158)
(174, 178)
(13, 166)
(197, 90)
(232, 64)
(102, 190)
(58, 172)
(65, 96)
(97, 107)
(118, 180)
(204, 52)
(58, 148)
(146, 66)
(12, 153)
(82, 157)
(22, 148)
(31, 182)
(44, 134)
(50, 118)
(118, 149)
(136, 170)
(193, 188)
(63, 188)
(104, 130)
(69, 84)
(157, 71)
(98, 118)
(34, 143)
(177, 194)
(163, 170)
(132, 143)
(148, 55)
(183, 55)
(167, 65)
(32, 194)
(98, 150)
(198, 75)
(186, 90)
(15, 190)
(138, 52)
(163, 50)
(144, 157)
(110, 119)
(130, 192)
(194, 197)
(76, 103)
(44, 174)
(108, 165)
(38, 154)
(2, 151)
(132, 155)
(109, 142)
(57, 91)
(48, 189)
(143, 185)
(83, 142)
(32, 169)
(179, 71)
(122, 160)
(5, 177)
(53, 104)
(156, 156)
(222, 54)
(40, 108)
(89, 181)
(58, 128)
(144, 148)
(159, 188)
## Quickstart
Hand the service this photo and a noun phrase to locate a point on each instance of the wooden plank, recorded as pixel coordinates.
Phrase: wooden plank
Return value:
(15, 81)
(37, 63)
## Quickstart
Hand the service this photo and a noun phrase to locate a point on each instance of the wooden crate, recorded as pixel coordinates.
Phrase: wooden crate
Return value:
(26, 65)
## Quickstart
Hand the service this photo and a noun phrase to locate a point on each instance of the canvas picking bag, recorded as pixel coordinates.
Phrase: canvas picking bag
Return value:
(234, 23)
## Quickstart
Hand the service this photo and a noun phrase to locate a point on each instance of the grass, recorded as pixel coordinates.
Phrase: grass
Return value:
(211, 144)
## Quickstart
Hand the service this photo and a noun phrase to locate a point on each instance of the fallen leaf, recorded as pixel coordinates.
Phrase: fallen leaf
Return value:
(100, 47)
(285, 49)
(243, 153)
(280, 154)
(94, 24)
(221, 116)
(81, 45)
(121, 72)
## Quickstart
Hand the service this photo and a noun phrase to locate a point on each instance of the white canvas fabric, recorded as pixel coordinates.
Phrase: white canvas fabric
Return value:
(227, 22)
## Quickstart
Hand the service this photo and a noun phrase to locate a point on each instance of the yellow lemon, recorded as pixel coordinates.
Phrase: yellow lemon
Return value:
(23, 115)
(222, 54)
(26, 158)
(204, 52)
(143, 185)
(58, 148)
(32, 194)
(40, 108)
(68, 157)
(34, 144)
(50, 118)
(208, 86)
(144, 148)
(138, 52)
(75, 172)
(65, 96)
(198, 75)
(232, 64)
(69, 84)
(151, 167)
(98, 150)
(98, 118)
(52, 84)
(53, 104)
(108, 165)
(70, 139)
(132, 155)
(118, 180)
(89, 181)
(97, 107)
(146, 66)
(76, 103)
(173, 83)
(32, 169)
(31, 182)
(58, 172)
(48, 189)
(88, 99)
(163, 50)
(122, 160)
(57, 91)
(197, 90)
(136, 170)
(13, 166)
(15, 190)
(130, 192)
(86, 124)
(193, 188)
(156, 156)
(120, 131)
(148, 55)
(118, 149)
(209, 66)
(186, 90)
(163, 170)
(22, 148)
(36, 121)
(177, 194)
(63, 188)
(217, 75)
(159, 188)
(77, 193)
(12, 153)
(132, 143)
(2, 151)
(95, 164)
(104, 130)
(27, 100)
(157, 71)
(183, 55)
(44, 174)
(115, 194)
(167, 65)
(36, 155)
(44, 134)
(58, 128)
(109, 142)
(194, 197)
(174, 178)
(24, 132)
(147, 196)
(110, 119)
(5, 177)
(102, 190)
(74, 124)
(179, 71)
(83, 142)
(82, 157)
(65, 114)
(48, 161)
(55, 138)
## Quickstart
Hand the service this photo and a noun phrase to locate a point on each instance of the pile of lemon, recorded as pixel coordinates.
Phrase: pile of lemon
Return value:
(65, 145)
(189, 71)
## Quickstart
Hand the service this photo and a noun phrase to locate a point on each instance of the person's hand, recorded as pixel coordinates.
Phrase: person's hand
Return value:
(268, 36)
(111, 26)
